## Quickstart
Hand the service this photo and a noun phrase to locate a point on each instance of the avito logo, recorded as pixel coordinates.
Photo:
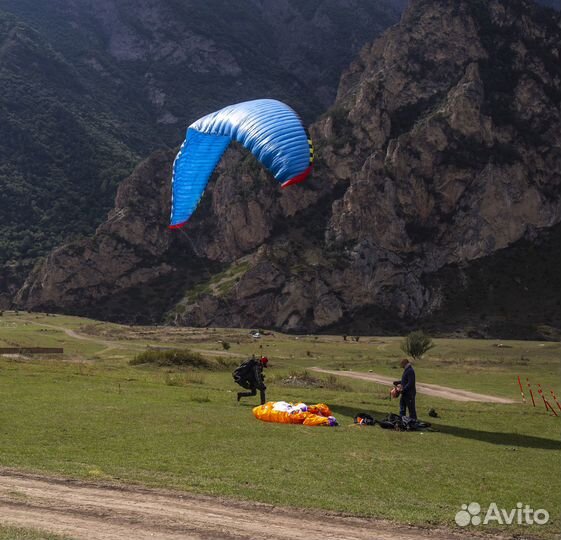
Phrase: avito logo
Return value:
(523, 514)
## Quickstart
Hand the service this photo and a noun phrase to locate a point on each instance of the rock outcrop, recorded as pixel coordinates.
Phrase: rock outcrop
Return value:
(127, 252)
(443, 148)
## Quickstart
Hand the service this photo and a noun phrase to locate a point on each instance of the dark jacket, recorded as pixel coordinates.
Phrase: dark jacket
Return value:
(258, 377)
(408, 381)
(250, 375)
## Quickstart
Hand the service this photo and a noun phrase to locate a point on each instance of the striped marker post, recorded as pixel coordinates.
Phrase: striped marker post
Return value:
(545, 402)
(555, 399)
(540, 392)
(521, 391)
(548, 406)
(531, 393)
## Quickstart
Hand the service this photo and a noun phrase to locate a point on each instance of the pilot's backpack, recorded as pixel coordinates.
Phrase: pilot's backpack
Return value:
(243, 374)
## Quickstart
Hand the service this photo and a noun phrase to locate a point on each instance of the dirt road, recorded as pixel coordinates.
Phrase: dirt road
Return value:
(75, 335)
(434, 390)
(104, 512)
(114, 344)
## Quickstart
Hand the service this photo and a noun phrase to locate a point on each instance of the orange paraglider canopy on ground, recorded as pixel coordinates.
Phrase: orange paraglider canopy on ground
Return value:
(282, 412)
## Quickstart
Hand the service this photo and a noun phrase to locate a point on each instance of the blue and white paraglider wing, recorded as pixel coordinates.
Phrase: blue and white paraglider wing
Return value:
(269, 129)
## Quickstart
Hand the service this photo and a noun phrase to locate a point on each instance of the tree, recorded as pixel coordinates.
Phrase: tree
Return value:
(416, 344)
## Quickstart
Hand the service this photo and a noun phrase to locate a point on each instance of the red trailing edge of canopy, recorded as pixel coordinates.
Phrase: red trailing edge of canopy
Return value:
(178, 226)
(299, 178)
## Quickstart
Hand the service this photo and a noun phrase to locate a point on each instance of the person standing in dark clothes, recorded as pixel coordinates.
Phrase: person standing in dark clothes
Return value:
(408, 390)
(250, 376)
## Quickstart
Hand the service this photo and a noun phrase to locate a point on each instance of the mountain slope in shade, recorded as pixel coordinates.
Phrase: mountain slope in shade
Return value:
(443, 149)
(555, 4)
(60, 156)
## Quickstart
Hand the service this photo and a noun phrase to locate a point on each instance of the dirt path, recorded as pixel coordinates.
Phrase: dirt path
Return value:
(110, 344)
(103, 512)
(434, 390)
(115, 344)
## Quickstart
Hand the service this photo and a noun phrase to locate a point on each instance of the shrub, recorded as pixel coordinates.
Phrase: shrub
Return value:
(299, 379)
(303, 379)
(416, 344)
(225, 345)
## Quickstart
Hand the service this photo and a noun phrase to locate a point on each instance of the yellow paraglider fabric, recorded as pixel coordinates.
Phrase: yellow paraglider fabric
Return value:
(288, 413)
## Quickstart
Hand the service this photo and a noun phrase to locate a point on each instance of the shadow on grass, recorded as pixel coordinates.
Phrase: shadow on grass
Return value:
(343, 410)
(504, 439)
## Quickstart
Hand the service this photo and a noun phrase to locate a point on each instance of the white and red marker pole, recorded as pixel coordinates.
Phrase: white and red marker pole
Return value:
(521, 391)
(555, 399)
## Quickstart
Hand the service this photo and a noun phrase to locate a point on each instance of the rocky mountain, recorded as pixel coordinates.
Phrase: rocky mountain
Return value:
(88, 87)
(438, 166)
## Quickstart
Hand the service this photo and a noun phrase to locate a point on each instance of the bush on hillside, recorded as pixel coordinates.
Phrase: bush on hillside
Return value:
(416, 344)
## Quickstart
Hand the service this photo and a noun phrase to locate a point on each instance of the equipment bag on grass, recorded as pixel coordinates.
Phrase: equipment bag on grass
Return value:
(364, 419)
(403, 423)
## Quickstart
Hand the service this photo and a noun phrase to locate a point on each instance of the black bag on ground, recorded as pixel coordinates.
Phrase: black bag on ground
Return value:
(409, 424)
(403, 423)
(393, 421)
(364, 419)
(386, 424)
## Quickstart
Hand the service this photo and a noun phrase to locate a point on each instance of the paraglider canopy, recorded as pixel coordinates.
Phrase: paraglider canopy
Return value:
(268, 128)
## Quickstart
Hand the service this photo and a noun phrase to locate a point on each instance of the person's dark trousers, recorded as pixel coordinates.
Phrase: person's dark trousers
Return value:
(407, 401)
(253, 392)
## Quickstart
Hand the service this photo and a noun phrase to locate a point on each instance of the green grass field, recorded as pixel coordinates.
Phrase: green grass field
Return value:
(16, 533)
(92, 415)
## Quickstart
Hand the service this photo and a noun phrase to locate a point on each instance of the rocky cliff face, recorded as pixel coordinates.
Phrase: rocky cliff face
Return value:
(129, 251)
(443, 149)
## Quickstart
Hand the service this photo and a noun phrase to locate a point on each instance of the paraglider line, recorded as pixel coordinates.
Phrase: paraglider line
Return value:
(202, 258)
(179, 228)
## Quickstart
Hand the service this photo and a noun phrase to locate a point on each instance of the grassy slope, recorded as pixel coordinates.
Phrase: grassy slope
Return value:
(93, 416)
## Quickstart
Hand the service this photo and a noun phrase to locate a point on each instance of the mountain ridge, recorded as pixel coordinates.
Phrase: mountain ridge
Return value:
(442, 149)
